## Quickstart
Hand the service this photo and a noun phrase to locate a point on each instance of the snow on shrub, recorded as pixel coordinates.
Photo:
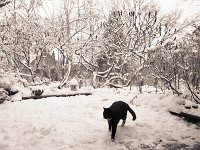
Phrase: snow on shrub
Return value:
(9, 86)
(36, 90)
(154, 49)
(169, 41)
(5, 83)
(3, 95)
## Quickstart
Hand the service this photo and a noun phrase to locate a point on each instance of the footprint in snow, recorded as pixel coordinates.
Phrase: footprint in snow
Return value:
(44, 131)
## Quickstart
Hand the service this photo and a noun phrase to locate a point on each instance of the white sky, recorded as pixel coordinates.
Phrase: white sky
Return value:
(188, 7)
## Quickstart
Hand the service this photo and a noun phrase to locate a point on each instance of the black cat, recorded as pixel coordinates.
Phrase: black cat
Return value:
(118, 110)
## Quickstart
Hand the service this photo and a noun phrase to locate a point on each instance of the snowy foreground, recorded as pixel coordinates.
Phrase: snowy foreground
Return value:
(77, 123)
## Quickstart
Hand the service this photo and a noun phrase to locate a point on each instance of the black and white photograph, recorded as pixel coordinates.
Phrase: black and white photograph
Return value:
(99, 74)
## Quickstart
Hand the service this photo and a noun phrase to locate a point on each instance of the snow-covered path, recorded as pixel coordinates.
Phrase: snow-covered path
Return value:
(76, 123)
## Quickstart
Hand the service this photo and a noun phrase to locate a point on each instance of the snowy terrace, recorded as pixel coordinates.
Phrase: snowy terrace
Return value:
(76, 123)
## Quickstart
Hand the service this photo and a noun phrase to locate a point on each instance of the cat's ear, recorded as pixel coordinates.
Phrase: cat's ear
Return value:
(104, 108)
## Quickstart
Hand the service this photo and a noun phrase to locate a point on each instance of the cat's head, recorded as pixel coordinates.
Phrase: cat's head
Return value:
(107, 114)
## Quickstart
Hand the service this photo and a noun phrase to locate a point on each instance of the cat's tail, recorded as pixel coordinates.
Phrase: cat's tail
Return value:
(132, 113)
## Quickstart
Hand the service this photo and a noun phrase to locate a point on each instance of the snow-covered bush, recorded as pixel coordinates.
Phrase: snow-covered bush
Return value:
(3, 95)
(37, 92)
(9, 85)
(5, 83)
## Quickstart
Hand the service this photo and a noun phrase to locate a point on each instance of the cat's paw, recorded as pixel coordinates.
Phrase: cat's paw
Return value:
(112, 140)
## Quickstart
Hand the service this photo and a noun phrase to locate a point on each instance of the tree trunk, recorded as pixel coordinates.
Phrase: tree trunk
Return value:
(65, 79)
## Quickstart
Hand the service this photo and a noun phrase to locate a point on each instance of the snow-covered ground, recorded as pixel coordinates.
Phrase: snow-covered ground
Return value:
(76, 123)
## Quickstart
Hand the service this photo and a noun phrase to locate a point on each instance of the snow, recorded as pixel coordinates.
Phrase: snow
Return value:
(195, 105)
(3, 94)
(188, 104)
(51, 89)
(16, 97)
(76, 123)
(177, 51)
(153, 49)
(4, 83)
(195, 50)
(169, 41)
(73, 82)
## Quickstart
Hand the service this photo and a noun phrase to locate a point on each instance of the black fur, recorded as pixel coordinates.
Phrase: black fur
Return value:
(118, 110)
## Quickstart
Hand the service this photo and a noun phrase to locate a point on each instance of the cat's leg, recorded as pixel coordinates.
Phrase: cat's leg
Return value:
(109, 125)
(123, 122)
(114, 129)
(124, 118)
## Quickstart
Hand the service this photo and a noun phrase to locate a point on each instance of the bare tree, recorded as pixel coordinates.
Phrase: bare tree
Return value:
(129, 33)
(76, 38)
(24, 39)
(190, 62)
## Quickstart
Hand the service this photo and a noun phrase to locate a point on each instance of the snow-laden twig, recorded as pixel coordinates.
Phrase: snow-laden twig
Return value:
(105, 73)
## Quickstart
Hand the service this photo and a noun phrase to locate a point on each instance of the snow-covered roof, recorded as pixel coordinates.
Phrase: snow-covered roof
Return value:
(73, 82)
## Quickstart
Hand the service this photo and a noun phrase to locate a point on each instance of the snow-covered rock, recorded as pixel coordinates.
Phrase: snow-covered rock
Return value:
(194, 105)
(188, 104)
(180, 101)
(176, 109)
